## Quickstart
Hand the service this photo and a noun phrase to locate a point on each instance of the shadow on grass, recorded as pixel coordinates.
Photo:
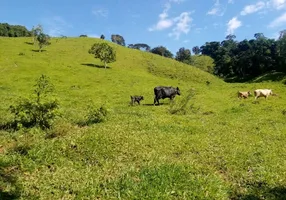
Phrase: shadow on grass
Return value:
(94, 65)
(260, 191)
(271, 76)
(29, 43)
(151, 104)
(8, 178)
(37, 50)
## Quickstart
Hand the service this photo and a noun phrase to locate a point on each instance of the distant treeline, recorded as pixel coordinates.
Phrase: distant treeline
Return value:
(247, 59)
(7, 30)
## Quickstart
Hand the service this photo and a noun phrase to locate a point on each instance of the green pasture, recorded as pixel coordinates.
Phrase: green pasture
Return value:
(219, 147)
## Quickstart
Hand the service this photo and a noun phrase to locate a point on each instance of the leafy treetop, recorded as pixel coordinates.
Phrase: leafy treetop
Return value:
(104, 52)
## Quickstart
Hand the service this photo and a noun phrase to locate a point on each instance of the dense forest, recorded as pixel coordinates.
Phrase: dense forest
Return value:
(236, 60)
(247, 58)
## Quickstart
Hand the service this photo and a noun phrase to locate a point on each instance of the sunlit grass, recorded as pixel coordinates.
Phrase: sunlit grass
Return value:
(220, 147)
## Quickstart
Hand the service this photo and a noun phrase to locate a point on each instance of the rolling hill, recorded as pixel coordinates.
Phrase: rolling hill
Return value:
(218, 147)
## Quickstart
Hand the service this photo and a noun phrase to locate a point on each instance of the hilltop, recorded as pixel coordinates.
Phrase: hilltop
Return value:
(219, 148)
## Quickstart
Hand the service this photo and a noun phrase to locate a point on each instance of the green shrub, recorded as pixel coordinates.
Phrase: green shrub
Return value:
(96, 115)
(36, 111)
(181, 107)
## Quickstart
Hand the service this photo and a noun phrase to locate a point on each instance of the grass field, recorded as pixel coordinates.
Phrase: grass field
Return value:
(220, 147)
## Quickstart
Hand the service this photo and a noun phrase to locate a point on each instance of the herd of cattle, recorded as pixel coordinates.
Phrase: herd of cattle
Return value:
(162, 92)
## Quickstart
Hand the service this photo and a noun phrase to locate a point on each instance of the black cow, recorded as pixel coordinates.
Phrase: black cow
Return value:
(162, 92)
(136, 99)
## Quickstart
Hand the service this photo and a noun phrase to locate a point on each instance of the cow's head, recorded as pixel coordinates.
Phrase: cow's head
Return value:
(178, 91)
(271, 93)
(249, 93)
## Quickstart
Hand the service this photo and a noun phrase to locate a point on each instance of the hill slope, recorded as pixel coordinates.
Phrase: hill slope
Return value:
(220, 148)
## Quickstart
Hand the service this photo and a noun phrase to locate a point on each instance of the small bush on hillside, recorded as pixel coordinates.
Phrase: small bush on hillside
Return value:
(181, 107)
(36, 111)
(94, 115)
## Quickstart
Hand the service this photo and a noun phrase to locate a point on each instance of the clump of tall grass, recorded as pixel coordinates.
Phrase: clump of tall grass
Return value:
(181, 106)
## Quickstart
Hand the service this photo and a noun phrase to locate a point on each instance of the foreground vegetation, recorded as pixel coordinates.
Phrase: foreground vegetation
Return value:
(207, 144)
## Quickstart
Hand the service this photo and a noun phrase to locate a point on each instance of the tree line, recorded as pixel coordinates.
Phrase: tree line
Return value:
(7, 30)
(247, 59)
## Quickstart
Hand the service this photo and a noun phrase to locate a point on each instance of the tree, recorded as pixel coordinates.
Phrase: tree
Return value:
(139, 46)
(104, 52)
(183, 55)
(43, 40)
(36, 31)
(83, 36)
(7, 30)
(196, 50)
(162, 51)
(102, 37)
(259, 36)
(118, 39)
(281, 51)
(282, 34)
(230, 37)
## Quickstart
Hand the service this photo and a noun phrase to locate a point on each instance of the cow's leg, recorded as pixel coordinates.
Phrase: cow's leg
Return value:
(155, 100)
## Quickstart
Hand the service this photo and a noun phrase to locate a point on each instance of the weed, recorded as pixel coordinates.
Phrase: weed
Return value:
(94, 115)
(181, 106)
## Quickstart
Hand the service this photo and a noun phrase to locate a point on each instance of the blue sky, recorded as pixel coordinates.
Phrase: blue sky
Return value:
(171, 23)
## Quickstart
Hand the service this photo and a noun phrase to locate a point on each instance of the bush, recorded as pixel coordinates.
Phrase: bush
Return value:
(96, 115)
(37, 111)
(181, 106)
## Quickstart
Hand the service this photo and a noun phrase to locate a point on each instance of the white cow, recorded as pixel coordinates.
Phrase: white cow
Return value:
(262, 93)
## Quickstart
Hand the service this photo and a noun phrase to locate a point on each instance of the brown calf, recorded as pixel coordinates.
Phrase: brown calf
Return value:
(243, 94)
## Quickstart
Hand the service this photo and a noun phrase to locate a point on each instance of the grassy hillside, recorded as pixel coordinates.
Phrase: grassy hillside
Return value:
(220, 148)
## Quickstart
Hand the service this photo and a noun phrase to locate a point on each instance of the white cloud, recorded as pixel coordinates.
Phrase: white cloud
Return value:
(279, 21)
(232, 25)
(253, 8)
(55, 26)
(102, 12)
(230, 1)
(163, 22)
(278, 4)
(217, 9)
(182, 25)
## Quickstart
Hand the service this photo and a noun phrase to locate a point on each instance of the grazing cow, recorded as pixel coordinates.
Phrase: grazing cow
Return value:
(136, 99)
(262, 93)
(243, 94)
(162, 92)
